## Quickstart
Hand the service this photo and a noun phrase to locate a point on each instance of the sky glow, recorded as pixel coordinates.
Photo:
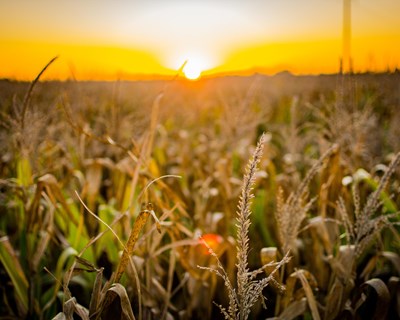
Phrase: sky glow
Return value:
(111, 39)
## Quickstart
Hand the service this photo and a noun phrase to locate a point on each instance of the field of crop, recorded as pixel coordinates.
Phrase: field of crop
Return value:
(236, 197)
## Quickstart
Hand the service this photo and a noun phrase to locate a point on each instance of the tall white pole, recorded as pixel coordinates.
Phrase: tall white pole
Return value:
(346, 37)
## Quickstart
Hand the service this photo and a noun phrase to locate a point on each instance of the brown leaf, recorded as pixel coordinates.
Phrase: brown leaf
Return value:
(96, 293)
(294, 310)
(374, 300)
(305, 278)
(335, 300)
(394, 258)
(394, 288)
(60, 316)
(119, 308)
(133, 237)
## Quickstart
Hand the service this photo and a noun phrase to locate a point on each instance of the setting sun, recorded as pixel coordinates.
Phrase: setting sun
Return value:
(194, 63)
(192, 70)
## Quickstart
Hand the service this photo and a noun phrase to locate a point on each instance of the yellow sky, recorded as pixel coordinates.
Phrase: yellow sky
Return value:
(104, 39)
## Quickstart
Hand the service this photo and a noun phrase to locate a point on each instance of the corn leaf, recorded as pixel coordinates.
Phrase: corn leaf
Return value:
(8, 258)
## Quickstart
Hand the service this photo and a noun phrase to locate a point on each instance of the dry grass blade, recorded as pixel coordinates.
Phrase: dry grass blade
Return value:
(312, 303)
(155, 180)
(27, 98)
(171, 269)
(41, 248)
(54, 297)
(96, 217)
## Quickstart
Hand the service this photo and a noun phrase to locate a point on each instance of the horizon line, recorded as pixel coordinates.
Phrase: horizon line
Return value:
(208, 75)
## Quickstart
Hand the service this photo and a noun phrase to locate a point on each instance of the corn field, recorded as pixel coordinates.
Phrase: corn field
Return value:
(262, 197)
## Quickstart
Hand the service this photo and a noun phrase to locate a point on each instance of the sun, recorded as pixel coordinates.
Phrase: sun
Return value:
(192, 64)
(192, 70)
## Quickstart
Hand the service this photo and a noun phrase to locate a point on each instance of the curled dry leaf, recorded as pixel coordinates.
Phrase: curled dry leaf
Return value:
(374, 300)
(115, 310)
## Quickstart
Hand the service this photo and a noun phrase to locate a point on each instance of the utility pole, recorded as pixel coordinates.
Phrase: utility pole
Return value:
(346, 64)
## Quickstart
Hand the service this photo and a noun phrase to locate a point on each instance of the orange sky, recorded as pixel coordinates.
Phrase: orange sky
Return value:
(104, 39)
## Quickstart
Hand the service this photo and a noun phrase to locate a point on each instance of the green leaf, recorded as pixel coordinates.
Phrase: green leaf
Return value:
(8, 258)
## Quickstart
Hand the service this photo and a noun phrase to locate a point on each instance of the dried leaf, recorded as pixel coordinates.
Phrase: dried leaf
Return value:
(334, 300)
(304, 277)
(394, 289)
(374, 300)
(291, 284)
(40, 249)
(68, 308)
(94, 174)
(268, 255)
(344, 263)
(60, 316)
(90, 267)
(371, 265)
(81, 311)
(294, 310)
(394, 258)
(124, 308)
(130, 245)
(96, 292)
